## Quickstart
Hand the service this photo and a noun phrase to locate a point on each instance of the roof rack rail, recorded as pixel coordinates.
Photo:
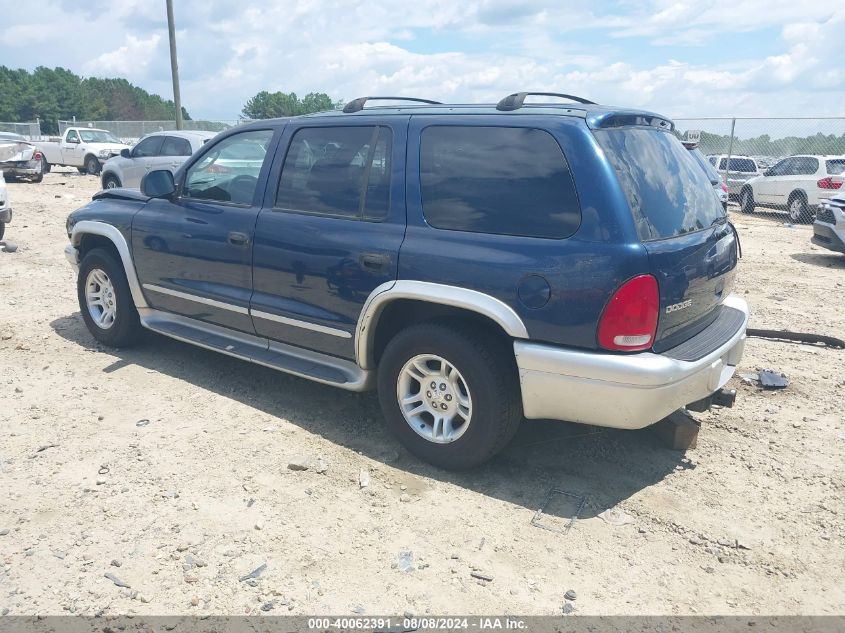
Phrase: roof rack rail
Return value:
(517, 99)
(356, 105)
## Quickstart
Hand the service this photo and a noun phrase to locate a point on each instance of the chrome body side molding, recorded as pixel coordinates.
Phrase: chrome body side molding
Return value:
(196, 298)
(303, 324)
(89, 227)
(453, 296)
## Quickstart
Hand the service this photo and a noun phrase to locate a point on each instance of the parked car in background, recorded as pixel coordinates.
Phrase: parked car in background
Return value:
(796, 184)
(82, 147)
(715, 179)
(742, 169)
(159, 150)
(402, 248)
(19, 158)
(5, 207)
(829, 227)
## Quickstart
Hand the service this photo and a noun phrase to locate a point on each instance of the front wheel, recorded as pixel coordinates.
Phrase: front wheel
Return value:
(110, 181)
(106, 301)
(746, 200)
(450, 393)
(92, 166)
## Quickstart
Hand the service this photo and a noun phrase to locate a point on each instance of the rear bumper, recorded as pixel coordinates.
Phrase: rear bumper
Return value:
(627, 391)
(828, 237)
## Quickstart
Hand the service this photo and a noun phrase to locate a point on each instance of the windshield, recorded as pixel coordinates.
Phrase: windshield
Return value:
(98, 136)
(668, 192)
(711, 172)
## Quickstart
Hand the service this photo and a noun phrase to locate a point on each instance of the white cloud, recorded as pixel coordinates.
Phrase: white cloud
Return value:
(134, 56)
(650, 54)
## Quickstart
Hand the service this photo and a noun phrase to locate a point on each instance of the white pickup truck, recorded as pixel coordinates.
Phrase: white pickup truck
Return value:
(82, 147)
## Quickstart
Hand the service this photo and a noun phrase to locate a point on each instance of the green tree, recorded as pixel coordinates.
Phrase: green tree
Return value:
(269, 105)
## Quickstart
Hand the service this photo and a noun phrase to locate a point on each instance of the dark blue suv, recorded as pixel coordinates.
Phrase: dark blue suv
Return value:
(478, 264)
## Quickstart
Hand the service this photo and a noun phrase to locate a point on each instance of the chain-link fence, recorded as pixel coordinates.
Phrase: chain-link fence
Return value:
(131, 131)
(31, 130)
(781, 167)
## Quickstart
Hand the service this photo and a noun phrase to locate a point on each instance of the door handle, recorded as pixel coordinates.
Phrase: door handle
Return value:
(374, 261)
(238, 239)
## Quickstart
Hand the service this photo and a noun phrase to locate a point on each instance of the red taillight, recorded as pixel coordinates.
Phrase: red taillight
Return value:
(37, 156)
(829, 183)
(214, 168)
(629, 320)
(724, 188)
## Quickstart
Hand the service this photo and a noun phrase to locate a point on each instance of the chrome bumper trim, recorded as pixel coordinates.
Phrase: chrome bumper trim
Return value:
(626, 391)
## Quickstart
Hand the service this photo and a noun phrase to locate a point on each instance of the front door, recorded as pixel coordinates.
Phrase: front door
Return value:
(143, 157)
(193, 253)
(70, 149)
(330, 230)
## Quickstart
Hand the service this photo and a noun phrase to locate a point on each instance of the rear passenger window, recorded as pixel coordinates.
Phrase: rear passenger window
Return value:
(338, 171)
(175, 146)
(501, 180)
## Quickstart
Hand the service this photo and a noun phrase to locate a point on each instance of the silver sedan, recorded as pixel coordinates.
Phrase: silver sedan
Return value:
(159, 150)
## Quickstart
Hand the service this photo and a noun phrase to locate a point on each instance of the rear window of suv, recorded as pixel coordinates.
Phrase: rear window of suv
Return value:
(500, 180)
(669, 194)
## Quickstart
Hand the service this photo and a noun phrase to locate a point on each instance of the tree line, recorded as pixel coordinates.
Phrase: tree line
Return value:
(50, 94)
(269, 105)
(765, 145)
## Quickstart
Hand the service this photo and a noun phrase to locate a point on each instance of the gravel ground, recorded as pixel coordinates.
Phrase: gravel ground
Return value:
(155, 480)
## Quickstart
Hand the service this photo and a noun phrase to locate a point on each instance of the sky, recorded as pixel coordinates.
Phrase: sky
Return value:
(683, 59)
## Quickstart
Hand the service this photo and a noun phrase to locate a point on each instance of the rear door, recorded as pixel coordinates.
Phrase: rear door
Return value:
(330, 230)
(691, 246)
(174, 151)
(193, 253)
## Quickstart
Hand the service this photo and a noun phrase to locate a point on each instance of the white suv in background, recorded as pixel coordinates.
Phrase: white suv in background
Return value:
(159, 150)
(742, 169)
(797, 184)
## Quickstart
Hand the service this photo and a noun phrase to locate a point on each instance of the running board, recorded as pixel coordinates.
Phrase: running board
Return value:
(305, 363)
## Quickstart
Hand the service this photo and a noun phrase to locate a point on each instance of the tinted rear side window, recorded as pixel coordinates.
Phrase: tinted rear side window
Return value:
(502, 180)
(745, 165)
(835, 167)
(667, 190)
(175, 146)
(338, 171)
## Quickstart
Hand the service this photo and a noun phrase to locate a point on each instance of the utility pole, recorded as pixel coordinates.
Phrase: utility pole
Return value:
(174, 65)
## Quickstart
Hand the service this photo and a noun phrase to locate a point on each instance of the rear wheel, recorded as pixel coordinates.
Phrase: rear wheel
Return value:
(2, 229)
(746, 200)
(450, 393)
(106, 301)
(798, 209)
(92, 165)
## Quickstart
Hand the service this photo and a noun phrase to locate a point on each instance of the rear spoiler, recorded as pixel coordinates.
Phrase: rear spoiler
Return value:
(628, 119)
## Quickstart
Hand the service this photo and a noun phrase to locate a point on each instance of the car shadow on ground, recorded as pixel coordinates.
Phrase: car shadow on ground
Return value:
(827, 260)
(605, 466)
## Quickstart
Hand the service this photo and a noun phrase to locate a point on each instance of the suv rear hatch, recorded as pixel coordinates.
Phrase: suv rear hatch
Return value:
(691, 245)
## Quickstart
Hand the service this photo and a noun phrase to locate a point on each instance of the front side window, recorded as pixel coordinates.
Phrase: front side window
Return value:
(72, 137)
(147, 147)
(669, 194)
(175, 146)
(228, 171)
(500, 180)
(338, 171)
(782, 168)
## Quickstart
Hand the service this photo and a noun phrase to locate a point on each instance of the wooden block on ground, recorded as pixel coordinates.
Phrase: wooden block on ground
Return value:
(678, 430)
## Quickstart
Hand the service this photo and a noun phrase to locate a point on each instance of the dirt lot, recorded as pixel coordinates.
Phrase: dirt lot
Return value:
(182, 507)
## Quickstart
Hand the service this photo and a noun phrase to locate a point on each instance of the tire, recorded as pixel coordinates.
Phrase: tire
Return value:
(2, 229)
(110, 181)
(746, 200)
(92, 165)
(798, 209)
(124, 329)
(37, 178)
(486, 379)
(82, 170)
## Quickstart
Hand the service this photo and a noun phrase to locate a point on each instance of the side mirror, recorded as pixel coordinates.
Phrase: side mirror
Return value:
(158, 184)
(125, 153)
